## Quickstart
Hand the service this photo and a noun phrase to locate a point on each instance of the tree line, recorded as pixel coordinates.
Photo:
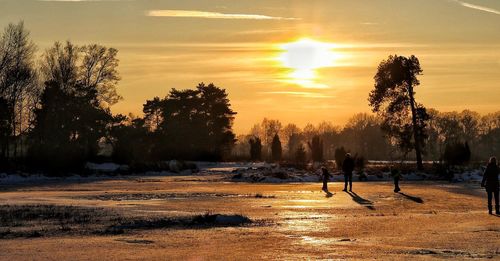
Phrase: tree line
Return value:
(55, 111)
(450, 137)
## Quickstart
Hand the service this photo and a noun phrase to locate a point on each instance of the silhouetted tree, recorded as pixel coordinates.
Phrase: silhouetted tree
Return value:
(300, 155)
(309, 132)
(241, 149)
(18, 79)
(153, 112)
(5, 128)
(316, 147)
(67, 128)
(195, 124)
(489, 141)
(469, 121)
(457, 153)
(359, 162)
(98, 70)
(446, 128)
(276, 148)
(433, 142)
(467, 152)
(255, 149)
(294, 141)
(330, 135)
(362, 133)
(74, 114)
(90, 68)
(394, 99)
(268, 128)
(59, 66)
(286, 132)
(130, 139)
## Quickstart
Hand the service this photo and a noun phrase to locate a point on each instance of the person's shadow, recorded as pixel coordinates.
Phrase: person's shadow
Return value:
(328, 193)
(412, 198)
(363, 202)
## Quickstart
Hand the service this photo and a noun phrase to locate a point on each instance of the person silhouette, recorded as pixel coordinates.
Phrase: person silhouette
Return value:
(396, 175)
(325, 175)
(347, 168)
(490, 182)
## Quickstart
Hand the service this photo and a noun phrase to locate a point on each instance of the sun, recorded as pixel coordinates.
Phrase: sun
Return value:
(303, 57)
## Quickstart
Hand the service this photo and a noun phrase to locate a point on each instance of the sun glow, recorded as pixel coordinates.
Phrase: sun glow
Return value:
(304, 57)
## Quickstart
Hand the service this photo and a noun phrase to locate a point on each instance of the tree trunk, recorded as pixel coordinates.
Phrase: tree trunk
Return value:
(416, 135)
(14, 126)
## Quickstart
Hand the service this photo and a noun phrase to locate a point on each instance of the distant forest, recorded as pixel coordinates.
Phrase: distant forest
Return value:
(449, 136)
(55, 115)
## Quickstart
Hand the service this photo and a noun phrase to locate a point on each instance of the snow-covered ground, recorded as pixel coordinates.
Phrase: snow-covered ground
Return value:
(293, 221)
(272, 173)
(234, 171)
(33, 178)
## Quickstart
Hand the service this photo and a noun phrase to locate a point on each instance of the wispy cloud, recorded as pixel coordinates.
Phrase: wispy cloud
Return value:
(300, 94)
(212, 15)
(478, 7)
(84, 0)
(369, 23)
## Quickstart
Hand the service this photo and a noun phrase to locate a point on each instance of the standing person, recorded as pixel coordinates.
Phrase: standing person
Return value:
(326, 176)
(396, 175)
(348, 167)
(490, 182)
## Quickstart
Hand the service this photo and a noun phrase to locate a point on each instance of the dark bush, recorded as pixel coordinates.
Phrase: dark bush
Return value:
(300, 155)
(316, 146)
(457, 153)
(276, 149)
(359, 162)
(255, 149)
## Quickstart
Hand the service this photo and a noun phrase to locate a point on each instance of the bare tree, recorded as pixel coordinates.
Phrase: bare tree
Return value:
(98, 70)
(287, 131)
(18, 77)
(270, 128)
(59, 64)
(90, 67)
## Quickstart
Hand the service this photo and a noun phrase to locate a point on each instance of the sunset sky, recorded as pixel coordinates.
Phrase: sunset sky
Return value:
(247, 47)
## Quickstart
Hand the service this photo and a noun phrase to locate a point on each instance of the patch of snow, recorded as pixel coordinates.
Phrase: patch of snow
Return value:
(227, 167)
(385, 162)
(34, 178)
(175, 166)
(103, 167)
(468, 176)
(157, 173)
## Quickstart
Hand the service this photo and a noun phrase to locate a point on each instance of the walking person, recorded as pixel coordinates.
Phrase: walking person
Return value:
(347, 168)
(396, 175)
(490, 182)
(325, 175)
